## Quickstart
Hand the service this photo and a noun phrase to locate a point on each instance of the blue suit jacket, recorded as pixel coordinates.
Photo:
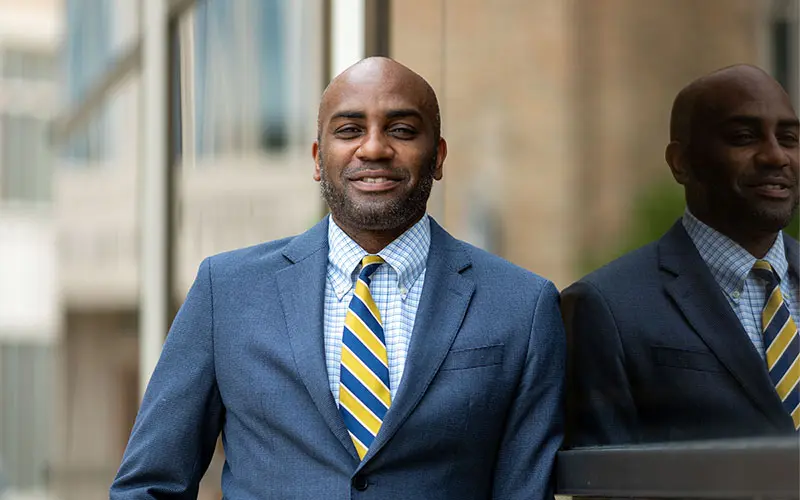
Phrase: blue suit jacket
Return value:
(478, 413)
(657, 353)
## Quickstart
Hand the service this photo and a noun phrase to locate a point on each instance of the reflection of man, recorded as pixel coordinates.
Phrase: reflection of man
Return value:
(694, 336)
(301, 351)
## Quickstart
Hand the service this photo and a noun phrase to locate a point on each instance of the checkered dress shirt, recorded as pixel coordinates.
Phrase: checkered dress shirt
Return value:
(731, 265)
(396, 289)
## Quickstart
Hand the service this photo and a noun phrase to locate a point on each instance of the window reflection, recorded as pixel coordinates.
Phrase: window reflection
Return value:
(253, 75)
(87, 53)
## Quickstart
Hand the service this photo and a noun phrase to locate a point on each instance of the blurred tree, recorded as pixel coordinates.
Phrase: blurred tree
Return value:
(654, 211)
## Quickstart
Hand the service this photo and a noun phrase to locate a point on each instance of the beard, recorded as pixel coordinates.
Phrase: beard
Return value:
(378, 215)
(732, 214)
(736, 206)
(773, 219)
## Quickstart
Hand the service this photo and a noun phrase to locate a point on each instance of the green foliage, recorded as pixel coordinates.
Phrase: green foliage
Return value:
(654, 210)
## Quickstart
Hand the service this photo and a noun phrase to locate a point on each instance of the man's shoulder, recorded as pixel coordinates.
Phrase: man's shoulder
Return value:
(275, 254)
(488, 266)
(270, 256)
(266, 253)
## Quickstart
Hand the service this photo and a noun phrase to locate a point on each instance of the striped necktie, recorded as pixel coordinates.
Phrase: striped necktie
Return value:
(364, 396)
(782, 341)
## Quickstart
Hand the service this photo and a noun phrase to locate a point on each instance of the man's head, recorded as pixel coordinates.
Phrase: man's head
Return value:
(734, 148)
(379, 146)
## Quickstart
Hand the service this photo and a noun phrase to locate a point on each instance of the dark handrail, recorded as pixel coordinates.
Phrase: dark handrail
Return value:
(740, 468)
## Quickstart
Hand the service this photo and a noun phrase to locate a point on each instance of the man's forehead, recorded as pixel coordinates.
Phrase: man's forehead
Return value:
(377, 83)
(758, 110)
(372, 96)
(378, 103)
(758, 100)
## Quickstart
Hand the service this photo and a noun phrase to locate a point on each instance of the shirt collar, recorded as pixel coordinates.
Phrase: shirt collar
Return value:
(407, 256)
(729, 263)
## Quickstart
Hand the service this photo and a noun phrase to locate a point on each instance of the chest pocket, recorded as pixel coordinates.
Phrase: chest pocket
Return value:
(461, 359)
(686, 359)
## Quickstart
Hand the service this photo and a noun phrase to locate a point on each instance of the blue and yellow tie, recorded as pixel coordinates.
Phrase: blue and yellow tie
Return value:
(782, 341)
(364, 396)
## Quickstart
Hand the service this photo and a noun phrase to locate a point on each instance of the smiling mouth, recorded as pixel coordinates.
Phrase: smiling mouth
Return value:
(774, 191)
(375, 184)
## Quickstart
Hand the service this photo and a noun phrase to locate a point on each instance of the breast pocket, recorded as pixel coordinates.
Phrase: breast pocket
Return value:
(686, 359)
(461, 359)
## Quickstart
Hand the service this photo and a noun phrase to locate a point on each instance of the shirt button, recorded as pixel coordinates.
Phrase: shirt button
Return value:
(736, 294)
(403, 289)
(360, 482)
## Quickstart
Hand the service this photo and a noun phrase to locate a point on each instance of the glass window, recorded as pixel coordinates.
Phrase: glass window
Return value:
(27, 78)
(26, 159)
(26, 403)
(254, 80)
(28, 65)
(783, 42)
(86, 46)
(87, 53)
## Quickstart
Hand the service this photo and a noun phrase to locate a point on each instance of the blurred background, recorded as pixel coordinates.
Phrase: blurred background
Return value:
(138, 136)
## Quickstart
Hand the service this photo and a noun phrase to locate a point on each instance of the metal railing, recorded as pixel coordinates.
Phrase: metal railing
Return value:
(765, 468)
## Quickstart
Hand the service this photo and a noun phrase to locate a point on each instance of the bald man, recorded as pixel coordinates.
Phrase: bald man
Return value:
(374, 356)
(694, 336)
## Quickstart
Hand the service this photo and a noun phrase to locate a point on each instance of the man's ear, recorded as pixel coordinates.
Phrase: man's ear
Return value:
(678, 162)
(441, 154)
(315, 154)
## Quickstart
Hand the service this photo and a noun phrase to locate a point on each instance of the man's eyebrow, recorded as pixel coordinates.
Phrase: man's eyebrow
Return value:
(743, 119)
(357, 115)
(403, 113)
(392, 114)
(754, 120)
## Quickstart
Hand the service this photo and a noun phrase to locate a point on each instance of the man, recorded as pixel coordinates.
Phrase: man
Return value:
(669, 342)
(373, 356)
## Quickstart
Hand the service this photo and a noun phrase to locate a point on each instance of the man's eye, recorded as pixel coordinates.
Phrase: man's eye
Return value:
(403, 132)
(742, 138)
(347, 132)
(788, 140)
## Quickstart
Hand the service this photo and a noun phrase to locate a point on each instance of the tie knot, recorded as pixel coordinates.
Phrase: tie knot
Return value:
(370, 264)
(763, 270)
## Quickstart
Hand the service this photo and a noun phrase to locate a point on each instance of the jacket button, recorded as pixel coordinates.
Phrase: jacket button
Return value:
(360, 482)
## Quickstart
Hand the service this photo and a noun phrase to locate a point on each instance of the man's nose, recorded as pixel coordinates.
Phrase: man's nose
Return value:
(374, 146)
(773, 154)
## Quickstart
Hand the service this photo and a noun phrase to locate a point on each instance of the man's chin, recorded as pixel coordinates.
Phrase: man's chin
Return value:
(773, 219)
(376, 218)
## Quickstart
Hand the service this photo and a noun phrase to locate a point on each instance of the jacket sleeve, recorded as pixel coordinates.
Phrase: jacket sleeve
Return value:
(600, 404)
(180, 417)
(534, 426)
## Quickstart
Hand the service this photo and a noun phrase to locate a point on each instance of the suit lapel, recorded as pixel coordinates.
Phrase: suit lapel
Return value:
(694, 290)
(302, 292)
(443, 305)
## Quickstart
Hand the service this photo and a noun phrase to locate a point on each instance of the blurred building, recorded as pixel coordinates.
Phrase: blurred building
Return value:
(243, 118)
(555, 112)
(30, 33)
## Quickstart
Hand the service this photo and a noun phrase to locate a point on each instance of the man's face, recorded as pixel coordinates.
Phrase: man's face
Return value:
(377, 155)
(744, 158)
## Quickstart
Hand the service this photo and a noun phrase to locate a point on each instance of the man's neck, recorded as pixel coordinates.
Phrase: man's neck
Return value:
(372, 240)
(757, 243)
